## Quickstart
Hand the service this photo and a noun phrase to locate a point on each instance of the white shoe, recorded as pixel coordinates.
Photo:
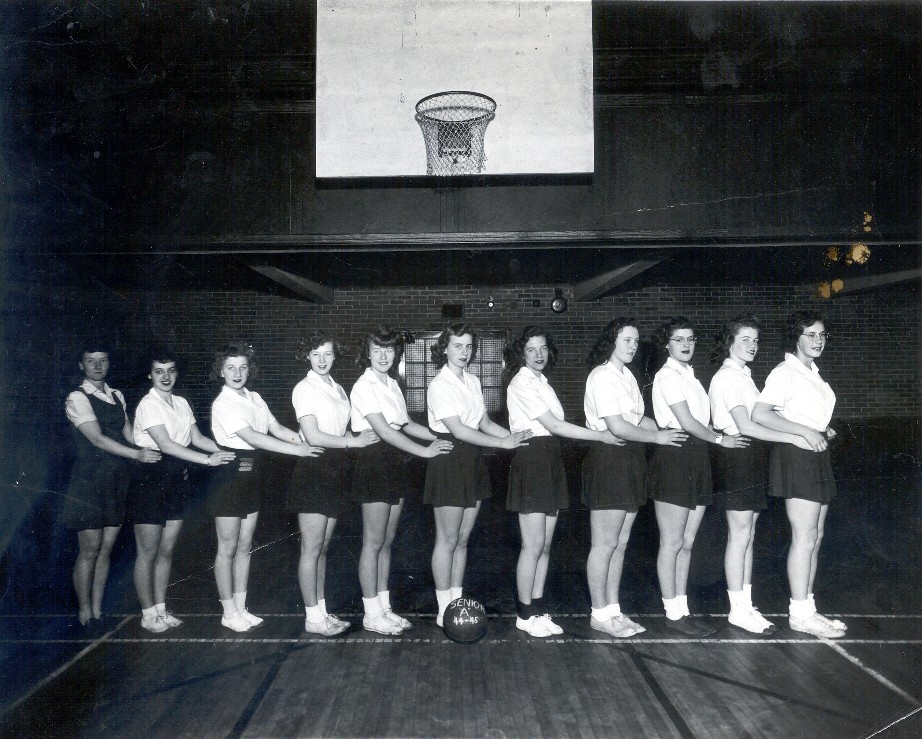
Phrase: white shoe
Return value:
(235, 622)
(170, 620)
(339, 622)
(323, 628)
(252, 620)
(750, 621)
(814, 626)
(832, 623)
(638, 629)
(398, 620)
(381, 624)
(533, 626)
(617, 627)
(545, 619)
(154, 625)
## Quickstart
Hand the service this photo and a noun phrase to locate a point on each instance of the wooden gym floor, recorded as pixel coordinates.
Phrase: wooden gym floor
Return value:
(203, 680)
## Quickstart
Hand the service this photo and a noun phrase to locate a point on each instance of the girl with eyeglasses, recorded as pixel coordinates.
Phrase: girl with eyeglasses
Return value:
(741, 475)
(680, 476)
(796, 400)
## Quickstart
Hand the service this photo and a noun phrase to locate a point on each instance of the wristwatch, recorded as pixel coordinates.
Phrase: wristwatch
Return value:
(720, 438)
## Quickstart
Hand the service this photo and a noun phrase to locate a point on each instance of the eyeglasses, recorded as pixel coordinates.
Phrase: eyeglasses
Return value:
(683, 340)
(822, 335)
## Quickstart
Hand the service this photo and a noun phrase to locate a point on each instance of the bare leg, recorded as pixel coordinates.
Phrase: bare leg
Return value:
(241, 565)
(448, 520)
(101, 570)
(228, 530)
(747, 562)
(313, 534)
(89, 541)
(683, 561)
(375, 518)
(613, 586)
(384, 556)
(740, 526)
(532, 527)
(459, 558)
(671, 520)
(804, 516)
(322, 561)
(147, 541)
(544, 559)
(820, 527)
(164, 563)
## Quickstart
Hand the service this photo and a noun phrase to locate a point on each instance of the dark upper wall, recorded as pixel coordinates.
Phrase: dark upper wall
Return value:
(177, 122)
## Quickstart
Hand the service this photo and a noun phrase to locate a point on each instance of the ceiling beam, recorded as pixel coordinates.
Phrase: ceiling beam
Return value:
(313, 291)
(598, 286)
(858, 284)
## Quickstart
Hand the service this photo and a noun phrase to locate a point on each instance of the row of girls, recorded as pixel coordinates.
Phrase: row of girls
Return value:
(774, 442)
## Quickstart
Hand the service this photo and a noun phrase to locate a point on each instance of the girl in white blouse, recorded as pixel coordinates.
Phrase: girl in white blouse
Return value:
(680, 477)
(381, 477)
(614, 476)
(796, 400)
(241, 422)
(319, 488)
(163, 421)
(537, 478)
(741, 475)
(457, 482)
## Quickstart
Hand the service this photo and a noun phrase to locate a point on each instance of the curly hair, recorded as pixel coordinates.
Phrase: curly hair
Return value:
(236, 348)
(796, 323)
(724, 339)
(514, 351)
(383, 336)
(604, 345)
(314, 340)
(438, 349)
(669, 327)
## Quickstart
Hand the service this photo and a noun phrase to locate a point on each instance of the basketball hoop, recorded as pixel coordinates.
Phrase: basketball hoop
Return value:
(453, 125)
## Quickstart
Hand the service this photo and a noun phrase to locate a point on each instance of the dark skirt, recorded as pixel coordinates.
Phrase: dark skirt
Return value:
(321, 484)
(459, 478)
(741, 476)
(235, 489)
(614, 476)
(537, 479)
(682, 475)
(160, 491)
(380, 474)
(798, 473)
(97, 492)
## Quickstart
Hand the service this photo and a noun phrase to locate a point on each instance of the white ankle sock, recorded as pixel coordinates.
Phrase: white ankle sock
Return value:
(801, 608)
(372, 607)
(314, 614)
(455, 593)
(149, 613)
(614, 610)
(443, 597)
(600, 614)
(385, 597)
(161, 608)
(240, 600)
(738, 600)
(747, 589)
(673, 609)
(322, 604)
(682, 600)
(230, 608)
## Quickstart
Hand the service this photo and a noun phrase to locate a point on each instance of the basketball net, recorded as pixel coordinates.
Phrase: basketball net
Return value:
(453, 125)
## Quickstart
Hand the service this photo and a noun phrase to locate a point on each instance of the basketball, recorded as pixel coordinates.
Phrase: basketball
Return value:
(465, 621)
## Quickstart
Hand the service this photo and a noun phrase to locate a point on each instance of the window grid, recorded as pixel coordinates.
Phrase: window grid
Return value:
(417, 370)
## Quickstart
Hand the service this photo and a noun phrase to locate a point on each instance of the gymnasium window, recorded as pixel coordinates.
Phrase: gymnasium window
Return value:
(417, 370)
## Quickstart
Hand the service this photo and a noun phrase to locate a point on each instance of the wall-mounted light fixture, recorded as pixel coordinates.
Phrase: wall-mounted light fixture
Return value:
(559, 303)
(490, 302)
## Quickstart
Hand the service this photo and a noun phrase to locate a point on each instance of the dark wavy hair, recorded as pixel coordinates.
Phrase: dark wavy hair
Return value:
(514, 351)
(669, 327)
(439, 358)
(604, 345)
(93, 344)
(796, 323)
(724, 339)
(236, 348)
(383, 336)
(314, 340)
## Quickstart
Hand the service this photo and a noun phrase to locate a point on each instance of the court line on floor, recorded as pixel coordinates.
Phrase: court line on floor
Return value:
(63, 668)
(441, 640)
(838, 649)
(881, 730)
(427, 615)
